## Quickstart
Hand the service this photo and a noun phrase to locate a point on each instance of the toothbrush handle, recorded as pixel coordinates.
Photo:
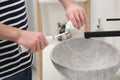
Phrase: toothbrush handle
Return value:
(49, 39)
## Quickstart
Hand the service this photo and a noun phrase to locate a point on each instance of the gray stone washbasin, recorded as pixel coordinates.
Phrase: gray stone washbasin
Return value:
(85, 59)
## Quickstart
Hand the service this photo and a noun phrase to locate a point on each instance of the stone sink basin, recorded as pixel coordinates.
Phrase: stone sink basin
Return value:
(85, 59)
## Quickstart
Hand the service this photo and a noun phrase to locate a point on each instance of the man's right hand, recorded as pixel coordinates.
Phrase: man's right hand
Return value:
(34, 41)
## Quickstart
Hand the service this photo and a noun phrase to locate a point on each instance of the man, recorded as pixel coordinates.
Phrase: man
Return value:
(15, 65)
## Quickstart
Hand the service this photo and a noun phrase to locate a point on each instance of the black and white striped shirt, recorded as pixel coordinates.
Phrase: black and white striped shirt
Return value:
(12, 61)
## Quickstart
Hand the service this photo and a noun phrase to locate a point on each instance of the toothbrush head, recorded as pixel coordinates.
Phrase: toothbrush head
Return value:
(64, 36)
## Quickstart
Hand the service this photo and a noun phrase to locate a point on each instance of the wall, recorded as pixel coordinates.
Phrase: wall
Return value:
(104, 9)
(51, 14)
(118, 23)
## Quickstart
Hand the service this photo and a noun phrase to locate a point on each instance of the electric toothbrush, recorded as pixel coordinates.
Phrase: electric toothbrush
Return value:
(63, 36)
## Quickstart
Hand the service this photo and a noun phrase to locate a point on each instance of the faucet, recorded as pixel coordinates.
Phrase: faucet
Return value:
(103, 33)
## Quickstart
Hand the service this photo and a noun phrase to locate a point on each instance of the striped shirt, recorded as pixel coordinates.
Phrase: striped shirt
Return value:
(12, 61)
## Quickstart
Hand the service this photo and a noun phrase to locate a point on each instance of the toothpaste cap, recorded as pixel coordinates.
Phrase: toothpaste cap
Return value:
(69, 26)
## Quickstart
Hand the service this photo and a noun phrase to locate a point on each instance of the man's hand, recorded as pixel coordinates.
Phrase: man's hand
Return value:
(34, 41)
(74, 13)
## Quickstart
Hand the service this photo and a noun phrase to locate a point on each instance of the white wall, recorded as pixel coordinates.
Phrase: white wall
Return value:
(104, 9)
(118, 23)
(51, 14)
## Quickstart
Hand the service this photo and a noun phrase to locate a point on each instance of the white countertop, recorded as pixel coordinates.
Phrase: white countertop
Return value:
(49, 71)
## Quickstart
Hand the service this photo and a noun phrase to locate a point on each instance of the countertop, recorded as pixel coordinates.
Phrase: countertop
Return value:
(49, 71)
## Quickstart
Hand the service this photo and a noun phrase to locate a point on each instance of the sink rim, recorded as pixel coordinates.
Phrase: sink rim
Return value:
(81, 69)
